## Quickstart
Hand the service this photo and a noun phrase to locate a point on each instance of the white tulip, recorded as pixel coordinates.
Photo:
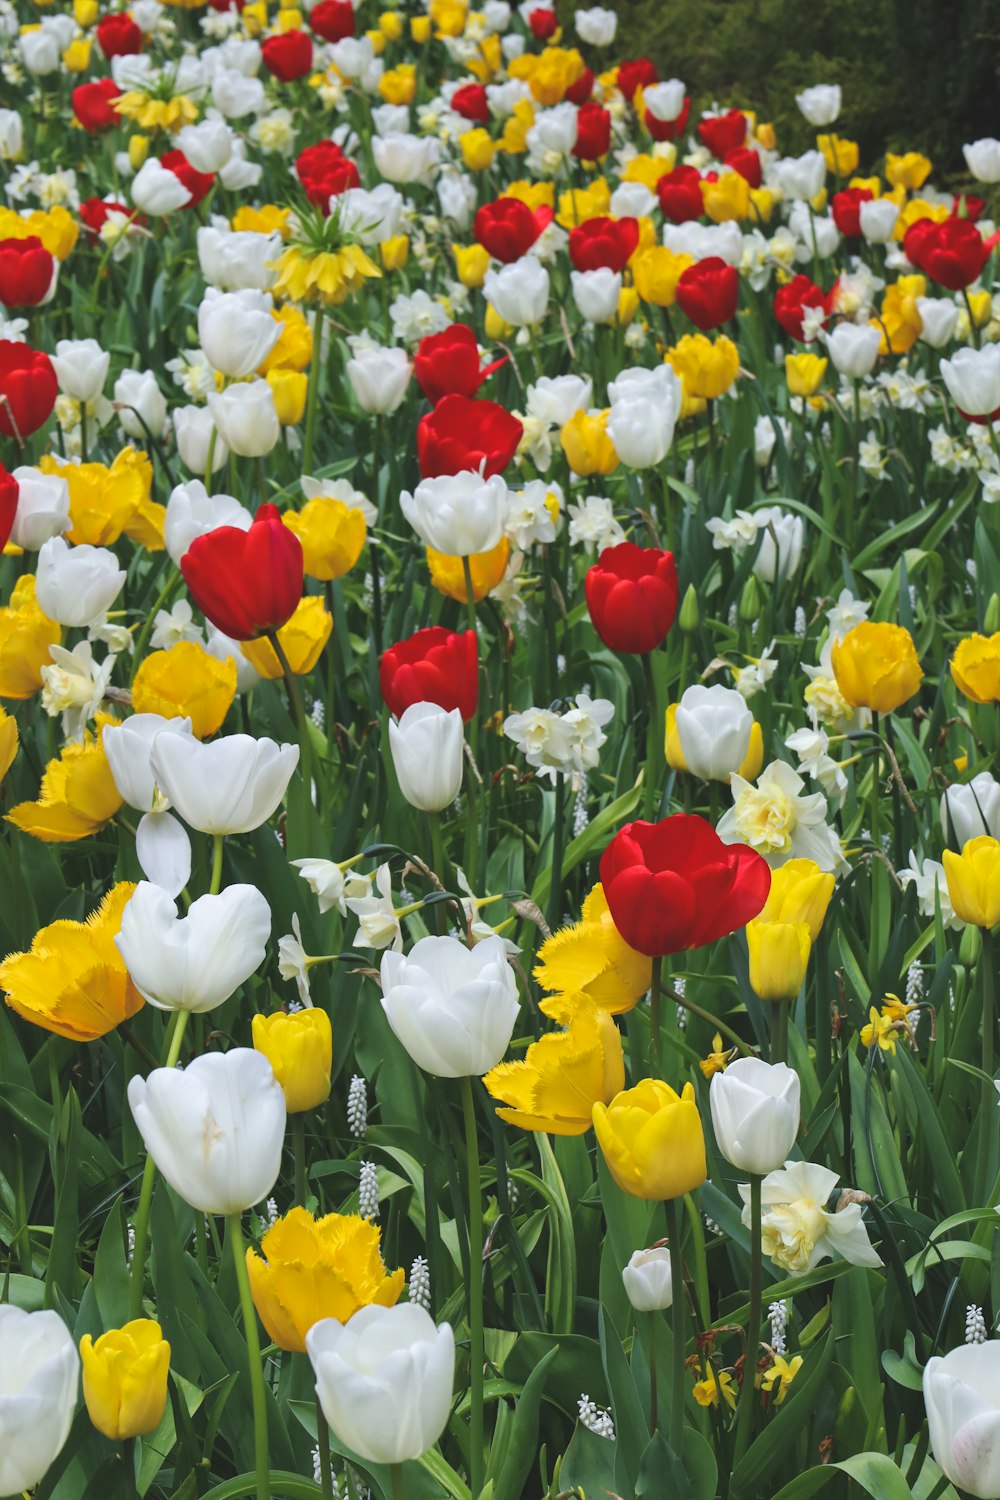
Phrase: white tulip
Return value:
(197, 961)
(938, 319)
(40, 52)
(192, 511)
(755, 1113)
(973, 380)
(246, 417)
(232, 785)
(801, 177)
(878, 220)
(641, 429)
(224, 648)
(664, 101)
(39, 1376)
(237, 261)
(384, 1380)
(379, 378)
(76, 585)
(207, 145)
(596, 26)
(648, 1281)
(390, 119)
(81, 367)
(158, 191)
(405, 158)
(428, 752)
(215, 1129)
(703, 240)
(11, 134)
(962, 1398)
(372, 216)
(519, 292)
(554, 130)
(142, 406)
(713, 726)
(632, 200)
(42, 508)
(821, 104)
(817, 233)
(854, 349)
(237, 330)
(128, 747)
(971, 809)
(982, 158)
(194, 430)
(782, 537)
(453, 1008)
(458, 514)
(235, 95)
(163, 849)
(596, 294)
(553, 399)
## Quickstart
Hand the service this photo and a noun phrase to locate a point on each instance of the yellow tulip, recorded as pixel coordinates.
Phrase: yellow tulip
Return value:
(268, 219)
(804, 373)
(299, 1048)
(767, 136)
(332, 534)
(899, 316)
(125, 1378)
(591, 958)
(318, 1268)
(288, 387)
(289, 19)
(565, 1073)
(537, 194)
(973, 879)
(56, 228)
(585, 442)
(25, 637)
(656, 272)
(909, 171)
(779, 957)
(514, 137)
(145, 525)
(841, 156)
(420, 29)
(707, 367)
(102, 499)
(628, 306)
(496, 328)
(917, 209)
(762, 201)
(471, 264)
(77, 796)
(399, 85)
(975, 668)
(187, 682)
(648, 169)
(85, 12)
(138, 150)
(752, 761)
(652, 1140)
(981, 307)
(876, 666)
(448, 16)
(872, 184)
(555, 71)
(74, 981)
(478, 149)
(302, 639)
(395, 252)
(76, 58)
(8, 742)
(486, 570)
(726, 198)
(294, 348)
(254, 18)
(800, 892)
(581, 204)
(390, 23)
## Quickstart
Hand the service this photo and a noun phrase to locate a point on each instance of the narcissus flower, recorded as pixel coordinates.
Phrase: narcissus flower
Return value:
(302, 639)
(974, 881)
(652, 1140)
(125, 1378)
(311, 1269)
(74, 981)
(876, 666)
(975, 668)
(299, 1047)
(186, 681)
(591, 957)
(77, 796)
(565, 1073)
(797, 1232)
(26, 634)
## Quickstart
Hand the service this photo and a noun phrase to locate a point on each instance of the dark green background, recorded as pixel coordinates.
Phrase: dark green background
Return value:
(918, 74)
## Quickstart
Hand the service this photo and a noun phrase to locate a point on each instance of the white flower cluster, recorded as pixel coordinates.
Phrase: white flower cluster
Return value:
(561, 744)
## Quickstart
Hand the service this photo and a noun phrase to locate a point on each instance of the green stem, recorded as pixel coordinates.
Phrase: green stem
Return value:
(558, 845)
(653, 1404)
(476, 1343)
(988, 1105)
(876, 759)
(706, 1015)
(744, 1417)
(298, 711)
(396, 1474)
(654, 748)
(218, 840)
(470, 596)
(437, 846)
(163, 597)
(262, 1462)
(779, 1030)
(323, 1443)
(299, 1148)
(655, 1049)
(677, 1310)
(137, 1273)
(313, 395)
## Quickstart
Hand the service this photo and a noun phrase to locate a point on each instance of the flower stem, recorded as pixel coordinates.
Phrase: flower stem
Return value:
(299, 1148)
(163, 597)
(313, 395)
(744, 1417)
(470, 596)
(654, 1015)
(653, 1404)
(650, 803)
(396, 1473)
(677, 1310)
(262, 1462)
(779, 1031)
(987, 1108)
(558, 846)
(323, 1443)
(137, 1272)
(218, 840)
(296, 706)
(476, 1347)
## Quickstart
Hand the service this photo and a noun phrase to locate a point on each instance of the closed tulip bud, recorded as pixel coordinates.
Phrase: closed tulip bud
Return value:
(232, 785)
(970, 810)
(125, 1379)
(198, 439)
(876, 666)
(991, 616)
(938, 321)
(800, 892)
(974, 881)
(299, 1047)
(982, 158)
(288, 387)
(755, 1113)
(713, 726)
(453, 1008)
(384, 1360)
(973, 380)
(39, 1375)
(652, 1140)
(141, 405)
(779, 957)
(197, 961)
(379, 378)
(877, 217)
(81, 367)
(215, 1129)
(689, 617)
(471, 264)
(821, 104)
(246, 417)
(975, 667)
(648, 1281)
(963, 1415)
(749, 606)
(428, 753)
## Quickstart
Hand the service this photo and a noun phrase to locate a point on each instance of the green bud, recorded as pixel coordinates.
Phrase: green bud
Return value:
(991, 619)
(750, 602)
(970, 946)
(690, 616)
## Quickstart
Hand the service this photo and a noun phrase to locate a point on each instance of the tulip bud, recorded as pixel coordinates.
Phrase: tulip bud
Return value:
(755, 1113)
(428, 752)
(125, 1378)
(991, 619)
(299, 1048)
(750, 602)
(690, 615)
(779, 956)
(648, 1281)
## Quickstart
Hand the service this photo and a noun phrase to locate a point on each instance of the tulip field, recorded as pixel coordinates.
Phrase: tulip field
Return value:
(500, 855)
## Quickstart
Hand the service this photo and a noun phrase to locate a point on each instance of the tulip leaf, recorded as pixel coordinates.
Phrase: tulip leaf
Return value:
(630, 1423)
(773, 1444)
(516, 1457)
(594, 836)
(876, 1474)
(588, 1465)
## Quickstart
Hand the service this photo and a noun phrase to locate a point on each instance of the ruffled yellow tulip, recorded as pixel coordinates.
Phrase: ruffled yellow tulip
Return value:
(591, 958)
(565, 1073)
(25, 637)
(77, 796)
(188, 682)
(876, 666)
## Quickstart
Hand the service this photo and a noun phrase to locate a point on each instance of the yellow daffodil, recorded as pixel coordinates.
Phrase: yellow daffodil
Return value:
(718, 1059)
(707, 1391)
(880, 1032)
(781, 1374)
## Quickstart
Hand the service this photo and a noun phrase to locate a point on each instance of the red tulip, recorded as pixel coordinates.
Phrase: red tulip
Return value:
(543, 23)
(118, 35)
(325, 172)
(603, 243)
(433, 666)
(679, 193)
(708, 292)
(746, 161)
(636, 72)
(93, 104)
(197, 183)
(26, 269)
(508, 228)
(28, 389)
(447, 363)
(846, 209)
(580, 91)
(289, 55)
(791, 301)
(333, 20)
(722, 133)
(94, 212)
(668, 130)
(246, 582)
(968, 206)
(674, 885)
(9, 491)
(464, 434)
(632, 597)
(470, 101)
(593, 132)
(952, 253)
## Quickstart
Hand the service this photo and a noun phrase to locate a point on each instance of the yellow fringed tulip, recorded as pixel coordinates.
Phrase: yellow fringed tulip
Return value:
(188, 682)
(974, 881)
(800, 892)
(299, 1047)
(25, 637)
(876, 666)
(77, 796)
(332, 536)
(591, 958)
(302, 639)
(585, 442)
(74, 981)
(565, 1073)
(125, 1378)
(779, 957)
(975, 668)
(486, 570)
(652, 1140)
(318, 1268)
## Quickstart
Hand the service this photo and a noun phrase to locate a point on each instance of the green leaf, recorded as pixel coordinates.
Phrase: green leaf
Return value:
(772, 1445)
(877, 1475)
(515, 1463)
